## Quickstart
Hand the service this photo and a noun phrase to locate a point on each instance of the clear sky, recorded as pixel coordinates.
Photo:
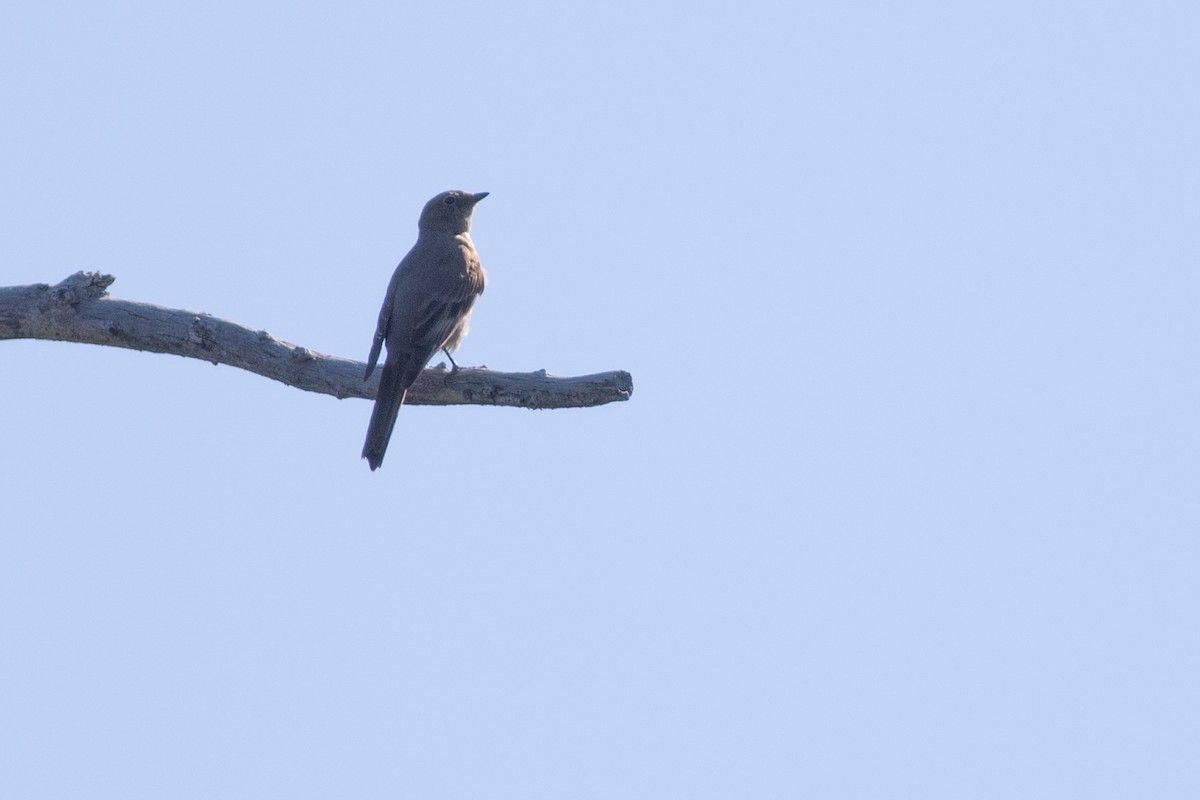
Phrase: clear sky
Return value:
(905, 501)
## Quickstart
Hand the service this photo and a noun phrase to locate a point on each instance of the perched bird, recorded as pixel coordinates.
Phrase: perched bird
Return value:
(426, 309)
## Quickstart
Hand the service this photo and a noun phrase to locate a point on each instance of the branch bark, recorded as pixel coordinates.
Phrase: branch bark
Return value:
(79, 309)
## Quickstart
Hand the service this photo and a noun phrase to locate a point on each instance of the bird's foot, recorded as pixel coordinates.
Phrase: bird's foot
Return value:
(453, 364)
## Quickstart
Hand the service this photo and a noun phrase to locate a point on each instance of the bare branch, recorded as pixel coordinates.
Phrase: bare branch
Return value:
(79, 309)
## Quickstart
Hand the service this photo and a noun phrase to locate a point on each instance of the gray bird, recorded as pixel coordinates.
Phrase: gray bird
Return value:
(427, 308)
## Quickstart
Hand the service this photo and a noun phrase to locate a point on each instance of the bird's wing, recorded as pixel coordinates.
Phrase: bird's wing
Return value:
(403, 274)
(446, 303)
(373, 358)
(381, 331)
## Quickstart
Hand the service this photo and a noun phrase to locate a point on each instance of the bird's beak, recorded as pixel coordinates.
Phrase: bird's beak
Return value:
(475, 198)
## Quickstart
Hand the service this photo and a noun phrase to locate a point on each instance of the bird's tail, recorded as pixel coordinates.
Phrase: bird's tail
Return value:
(383, 418)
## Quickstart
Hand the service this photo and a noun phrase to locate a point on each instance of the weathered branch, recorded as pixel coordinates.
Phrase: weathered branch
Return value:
(79, 310)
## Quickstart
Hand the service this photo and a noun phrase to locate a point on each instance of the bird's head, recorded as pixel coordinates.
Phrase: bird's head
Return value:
(450, 212)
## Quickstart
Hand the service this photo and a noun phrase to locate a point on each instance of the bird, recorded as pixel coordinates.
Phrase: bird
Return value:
(427, 308)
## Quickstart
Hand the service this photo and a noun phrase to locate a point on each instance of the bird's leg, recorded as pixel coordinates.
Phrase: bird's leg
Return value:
(453, 363)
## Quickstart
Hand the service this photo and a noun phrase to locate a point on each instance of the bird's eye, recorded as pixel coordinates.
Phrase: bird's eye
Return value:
(449, 200)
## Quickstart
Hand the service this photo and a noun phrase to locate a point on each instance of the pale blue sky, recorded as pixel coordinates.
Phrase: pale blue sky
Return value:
(904, 504)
